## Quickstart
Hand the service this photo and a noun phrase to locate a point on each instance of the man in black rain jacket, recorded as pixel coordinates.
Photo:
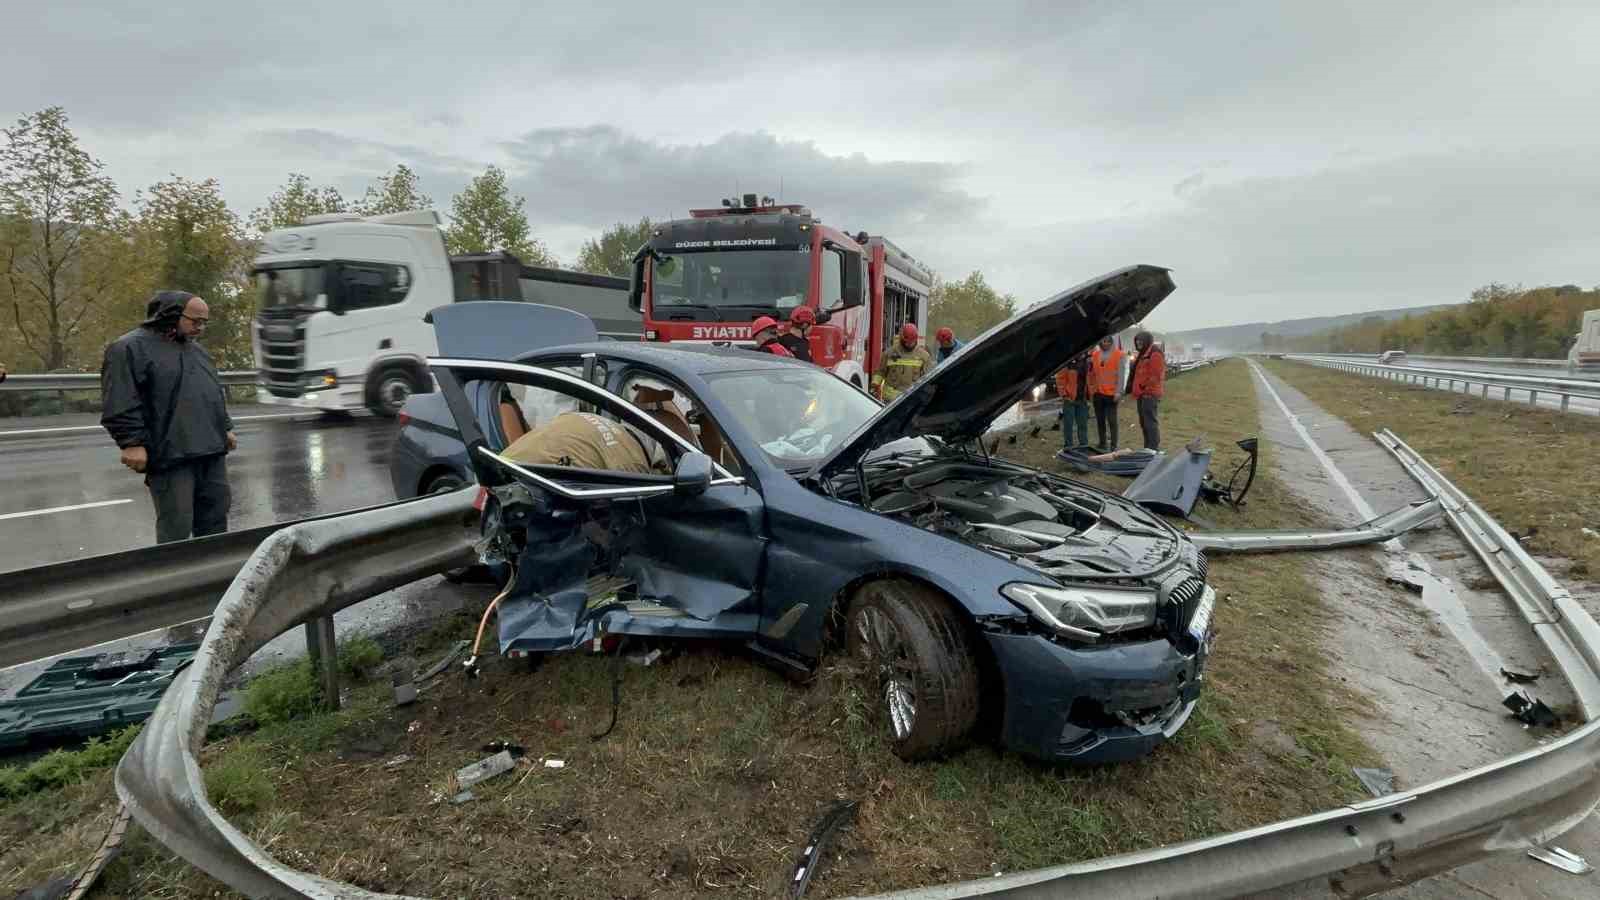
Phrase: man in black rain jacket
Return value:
(164, 405)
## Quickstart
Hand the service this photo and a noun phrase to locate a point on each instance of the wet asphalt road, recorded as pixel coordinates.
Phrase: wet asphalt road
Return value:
(284, 469)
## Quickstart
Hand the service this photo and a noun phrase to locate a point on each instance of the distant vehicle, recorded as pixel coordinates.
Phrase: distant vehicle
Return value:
(1585, 353)
(340, 300)
(1392, 358)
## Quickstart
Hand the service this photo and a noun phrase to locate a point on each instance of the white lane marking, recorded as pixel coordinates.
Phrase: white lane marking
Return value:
(70, 429)
(60, 509)
(1438, 594)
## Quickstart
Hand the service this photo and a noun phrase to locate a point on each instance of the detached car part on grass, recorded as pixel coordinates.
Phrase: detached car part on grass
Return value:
(1363, 848)
(1080, 620)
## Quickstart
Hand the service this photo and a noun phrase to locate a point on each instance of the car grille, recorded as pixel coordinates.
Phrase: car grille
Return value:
(283, 354)
(1179, 609)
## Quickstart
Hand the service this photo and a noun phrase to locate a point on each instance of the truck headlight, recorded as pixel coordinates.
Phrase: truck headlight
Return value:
(1084, 613)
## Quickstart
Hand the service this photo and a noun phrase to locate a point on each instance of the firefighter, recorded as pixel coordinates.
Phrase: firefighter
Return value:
(1073, 384)
(764, 331)
(797, 340)
(903, 364)
(1105, 364)
(948, 344)
(588, 441)
(1146, 379)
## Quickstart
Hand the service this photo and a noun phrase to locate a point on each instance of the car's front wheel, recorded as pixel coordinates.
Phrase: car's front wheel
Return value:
(920, 666)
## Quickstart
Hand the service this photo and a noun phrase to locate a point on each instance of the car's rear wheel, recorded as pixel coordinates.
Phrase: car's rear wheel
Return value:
(920, 666)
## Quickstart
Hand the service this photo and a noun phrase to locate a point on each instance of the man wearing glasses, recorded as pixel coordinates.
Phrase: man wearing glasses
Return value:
(166, 408)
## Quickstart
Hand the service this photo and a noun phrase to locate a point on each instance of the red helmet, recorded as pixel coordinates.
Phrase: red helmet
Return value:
(944, 334)
(802, 315)
(908, 333)
(762, 324)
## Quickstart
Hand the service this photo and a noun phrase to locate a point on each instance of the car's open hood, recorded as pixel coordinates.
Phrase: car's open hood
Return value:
(997, 369)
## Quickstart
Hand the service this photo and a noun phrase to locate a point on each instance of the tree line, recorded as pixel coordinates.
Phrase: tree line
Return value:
(1498, 320)
(77, 263)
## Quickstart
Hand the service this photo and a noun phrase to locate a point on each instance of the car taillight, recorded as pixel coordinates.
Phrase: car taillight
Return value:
(481, 500)
(404, 419)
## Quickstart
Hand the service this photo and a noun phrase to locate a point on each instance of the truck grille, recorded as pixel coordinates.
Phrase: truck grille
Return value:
(283, 354)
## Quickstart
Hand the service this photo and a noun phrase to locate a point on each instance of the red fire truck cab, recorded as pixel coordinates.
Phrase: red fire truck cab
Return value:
(704, 279)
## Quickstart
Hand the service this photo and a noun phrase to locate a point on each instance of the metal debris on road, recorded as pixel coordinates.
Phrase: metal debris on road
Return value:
(1382, 528)
(405, 690)
(1378, 782)
(1530, 711)
(1516, 677)
(1565, 860)
(484, 769)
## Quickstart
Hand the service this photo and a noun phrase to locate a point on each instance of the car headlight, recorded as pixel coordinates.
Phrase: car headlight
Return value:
(1084, 613)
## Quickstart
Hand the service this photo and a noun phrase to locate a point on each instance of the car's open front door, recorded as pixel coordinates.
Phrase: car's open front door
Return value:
(568, 531)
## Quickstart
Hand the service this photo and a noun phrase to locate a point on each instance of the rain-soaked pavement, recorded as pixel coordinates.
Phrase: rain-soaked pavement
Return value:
(1428, 663)
(64, 495)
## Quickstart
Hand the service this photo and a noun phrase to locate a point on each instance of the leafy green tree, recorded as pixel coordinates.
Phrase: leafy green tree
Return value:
(396, 192)
(612, 252)
(484, 217)
(291, 204)
(194, 243)
(62, 237)
(968, 307)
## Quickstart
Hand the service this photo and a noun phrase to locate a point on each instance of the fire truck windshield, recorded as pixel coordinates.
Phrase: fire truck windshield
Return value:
(737, 279)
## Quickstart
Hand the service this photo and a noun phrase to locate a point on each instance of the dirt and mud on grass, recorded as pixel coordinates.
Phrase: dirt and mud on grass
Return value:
(718, 767)
(1534, 470)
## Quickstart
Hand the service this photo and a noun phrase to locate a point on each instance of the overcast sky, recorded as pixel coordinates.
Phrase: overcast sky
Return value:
(1285, 159)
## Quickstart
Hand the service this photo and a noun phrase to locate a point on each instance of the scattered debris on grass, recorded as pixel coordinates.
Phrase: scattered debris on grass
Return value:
(1378, 782)
(835, 819)
(485, 769)
(1516, 677)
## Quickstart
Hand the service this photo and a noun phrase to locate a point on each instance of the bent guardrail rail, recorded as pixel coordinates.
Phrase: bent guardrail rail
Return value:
(1384, 527)
(69, 605)
(89, 381)
(314, 568)
(1565, 389)
(306, 571)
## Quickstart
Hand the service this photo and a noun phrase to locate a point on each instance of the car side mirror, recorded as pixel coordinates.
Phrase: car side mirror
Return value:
(824, 316)
(636, 283)
(855, 284)
(692, 476)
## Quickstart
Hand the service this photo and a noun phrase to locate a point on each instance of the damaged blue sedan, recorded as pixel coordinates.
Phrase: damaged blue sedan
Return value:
(788, 511)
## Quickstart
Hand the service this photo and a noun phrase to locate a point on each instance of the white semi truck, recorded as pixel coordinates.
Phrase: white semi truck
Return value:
(341, 298)
(1585, 353)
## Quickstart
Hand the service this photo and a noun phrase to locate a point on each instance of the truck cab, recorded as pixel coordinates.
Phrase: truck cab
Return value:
(339, 307)
(1585, 353)
(704, 279)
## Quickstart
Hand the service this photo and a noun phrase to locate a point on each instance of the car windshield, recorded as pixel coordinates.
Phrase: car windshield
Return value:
(763, 279)
(298, 287)
(799, 414)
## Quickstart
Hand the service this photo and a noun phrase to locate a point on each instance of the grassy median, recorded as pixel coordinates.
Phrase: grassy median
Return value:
(718, 767)
(1534, 470)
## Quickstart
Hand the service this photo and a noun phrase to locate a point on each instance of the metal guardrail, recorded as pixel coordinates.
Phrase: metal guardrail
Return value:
(1563, 389)
(306, 572)
(66, 606)
(76, 381)
(1466, 360)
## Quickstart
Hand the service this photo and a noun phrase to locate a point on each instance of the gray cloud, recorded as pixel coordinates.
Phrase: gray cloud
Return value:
(1189, 185)
(600, 174)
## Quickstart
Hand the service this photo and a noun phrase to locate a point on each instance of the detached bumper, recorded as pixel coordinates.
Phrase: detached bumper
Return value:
(1093, 705)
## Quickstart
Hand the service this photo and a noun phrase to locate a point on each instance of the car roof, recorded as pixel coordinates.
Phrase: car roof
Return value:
(697, 359)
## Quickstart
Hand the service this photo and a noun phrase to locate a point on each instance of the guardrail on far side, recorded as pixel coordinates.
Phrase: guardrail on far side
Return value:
(90, 381)
(1557, 392)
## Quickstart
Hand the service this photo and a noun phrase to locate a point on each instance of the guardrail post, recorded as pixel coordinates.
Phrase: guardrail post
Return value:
(1533, 398)
(324, 656)
(1565, 398)
(1508, 395)
(1486, 390)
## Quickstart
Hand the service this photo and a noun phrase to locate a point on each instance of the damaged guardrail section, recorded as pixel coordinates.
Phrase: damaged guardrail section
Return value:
(312, 569)
(1382, 528)
(302, 572)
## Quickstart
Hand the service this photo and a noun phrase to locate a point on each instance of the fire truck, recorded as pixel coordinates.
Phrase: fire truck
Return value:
(704, 279)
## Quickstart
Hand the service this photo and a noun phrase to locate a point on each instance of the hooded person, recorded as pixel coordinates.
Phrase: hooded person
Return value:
(165, 407)
(1147, 379)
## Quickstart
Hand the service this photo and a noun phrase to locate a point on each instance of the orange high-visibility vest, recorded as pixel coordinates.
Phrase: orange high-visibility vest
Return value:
(1107, 368)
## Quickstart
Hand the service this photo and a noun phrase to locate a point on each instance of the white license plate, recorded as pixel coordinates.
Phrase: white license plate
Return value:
(1201, 622)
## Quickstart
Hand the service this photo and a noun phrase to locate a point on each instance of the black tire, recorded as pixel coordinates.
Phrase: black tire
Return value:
(443, 484)
(388, 392)
(921, 664)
